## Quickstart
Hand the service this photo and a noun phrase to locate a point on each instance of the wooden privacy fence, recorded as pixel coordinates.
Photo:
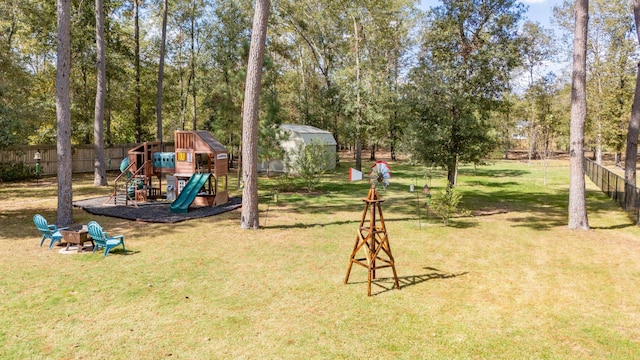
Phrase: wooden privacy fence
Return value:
(82, 157)
(626, 195)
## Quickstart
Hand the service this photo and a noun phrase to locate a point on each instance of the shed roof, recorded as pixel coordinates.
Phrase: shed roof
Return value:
(308, 132)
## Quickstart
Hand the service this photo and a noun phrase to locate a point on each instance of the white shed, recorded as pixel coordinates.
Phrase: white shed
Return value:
(297, 135)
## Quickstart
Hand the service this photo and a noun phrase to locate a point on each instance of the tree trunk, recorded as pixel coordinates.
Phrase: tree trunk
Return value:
(136, 36)
(532, 141)
(599, 143)
(183, 99)
(631, 154)
(163, 44)
(396, 93)
(507, 141)
(249, 217)
(452, 167)
(452, 172)
(194, 89)
(545, 154)
(107, 102)
(532, 123)
(100, 175)
(63, 114)
(577, 193)
(107, 118)
(358, 100)
(358, 151)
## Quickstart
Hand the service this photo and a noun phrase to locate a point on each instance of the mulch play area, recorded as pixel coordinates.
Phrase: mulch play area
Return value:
(156, 212)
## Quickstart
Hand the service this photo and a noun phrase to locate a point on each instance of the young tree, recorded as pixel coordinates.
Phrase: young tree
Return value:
(63, 114)
(249, 217)
(537, 49)
(505, 120)
(543, 95)
(100, 176)
(577, 193)
(309, 162)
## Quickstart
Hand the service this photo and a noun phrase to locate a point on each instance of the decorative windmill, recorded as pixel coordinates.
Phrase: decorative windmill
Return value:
(372, 237)
(378, 175)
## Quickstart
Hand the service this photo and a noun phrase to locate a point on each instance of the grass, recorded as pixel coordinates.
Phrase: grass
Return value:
(509, 282)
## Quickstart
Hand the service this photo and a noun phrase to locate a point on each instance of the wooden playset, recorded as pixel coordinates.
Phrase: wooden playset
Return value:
(195, 173)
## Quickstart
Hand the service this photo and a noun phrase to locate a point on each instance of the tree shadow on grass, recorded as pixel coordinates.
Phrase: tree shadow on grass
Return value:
(116, 252)
(388, 283)
(613, 227)
(18, 223)
(492, 173)
(462, 224)
(119, 251)
(492, 184)
(318, 224)
(308, 225)
(541, 210)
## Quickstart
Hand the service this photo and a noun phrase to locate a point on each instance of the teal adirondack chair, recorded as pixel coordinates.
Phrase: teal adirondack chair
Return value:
(48, 231)
(103, 240)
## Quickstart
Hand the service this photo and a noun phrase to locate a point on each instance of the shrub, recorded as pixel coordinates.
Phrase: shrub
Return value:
(446, 204)
(16, 172)
(286, 183)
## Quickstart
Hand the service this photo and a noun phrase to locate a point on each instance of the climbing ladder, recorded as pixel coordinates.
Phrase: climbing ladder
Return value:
(126, 181)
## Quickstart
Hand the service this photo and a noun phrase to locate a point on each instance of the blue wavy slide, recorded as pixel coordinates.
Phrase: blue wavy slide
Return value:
(189, 193)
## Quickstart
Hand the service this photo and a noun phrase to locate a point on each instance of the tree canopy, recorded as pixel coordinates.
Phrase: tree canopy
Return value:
(441, 86)
(468, 52)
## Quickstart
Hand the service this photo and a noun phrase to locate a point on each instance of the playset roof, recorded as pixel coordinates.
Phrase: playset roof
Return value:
(215, 146)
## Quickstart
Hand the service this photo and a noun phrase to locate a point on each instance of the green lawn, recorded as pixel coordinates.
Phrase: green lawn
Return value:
(509, 282)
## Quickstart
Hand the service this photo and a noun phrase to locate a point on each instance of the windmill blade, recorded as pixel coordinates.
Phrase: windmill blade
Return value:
(380, 173)
(383, 169)
(354, 175)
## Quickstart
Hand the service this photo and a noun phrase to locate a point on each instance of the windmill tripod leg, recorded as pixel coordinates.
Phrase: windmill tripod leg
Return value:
(387, 249)
(351, 260)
